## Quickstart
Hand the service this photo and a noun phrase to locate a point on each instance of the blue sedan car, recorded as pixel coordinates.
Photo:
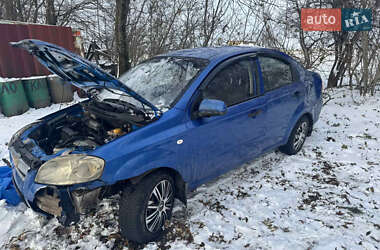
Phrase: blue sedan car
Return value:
(162, 129)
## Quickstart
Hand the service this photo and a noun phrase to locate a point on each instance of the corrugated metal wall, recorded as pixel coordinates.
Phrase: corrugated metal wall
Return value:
(18, 63)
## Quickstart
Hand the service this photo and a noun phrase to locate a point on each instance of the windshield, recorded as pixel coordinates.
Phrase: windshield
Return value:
(161, 80)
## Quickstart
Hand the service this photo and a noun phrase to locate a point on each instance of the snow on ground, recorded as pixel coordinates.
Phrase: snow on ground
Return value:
(325, 197)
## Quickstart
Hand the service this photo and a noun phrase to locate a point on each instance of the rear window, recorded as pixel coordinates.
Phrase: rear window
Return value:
(275, 73)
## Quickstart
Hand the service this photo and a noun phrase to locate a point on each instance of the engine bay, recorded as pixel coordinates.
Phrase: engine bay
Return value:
(98, 123)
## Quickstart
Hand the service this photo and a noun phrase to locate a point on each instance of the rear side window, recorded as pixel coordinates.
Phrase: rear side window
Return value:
(275, 73)
(233, 84)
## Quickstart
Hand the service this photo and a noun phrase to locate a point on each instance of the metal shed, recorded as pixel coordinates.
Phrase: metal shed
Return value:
(18, 63)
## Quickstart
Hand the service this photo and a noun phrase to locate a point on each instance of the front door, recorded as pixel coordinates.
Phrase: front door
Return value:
(217, 143)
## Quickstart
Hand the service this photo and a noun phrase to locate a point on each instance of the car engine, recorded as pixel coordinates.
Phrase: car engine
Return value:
(98, 123)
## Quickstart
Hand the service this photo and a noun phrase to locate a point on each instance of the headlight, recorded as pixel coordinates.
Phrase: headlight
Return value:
(70, 169)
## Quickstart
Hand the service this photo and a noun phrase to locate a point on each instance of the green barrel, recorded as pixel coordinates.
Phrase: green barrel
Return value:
(12, 98)
(60, 91)
(37, 92)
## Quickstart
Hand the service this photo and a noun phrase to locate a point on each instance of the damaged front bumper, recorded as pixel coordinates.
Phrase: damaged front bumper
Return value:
(64, 202)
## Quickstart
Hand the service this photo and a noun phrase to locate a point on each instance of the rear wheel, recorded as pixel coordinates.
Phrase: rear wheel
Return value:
(144, 211)
(297, 137)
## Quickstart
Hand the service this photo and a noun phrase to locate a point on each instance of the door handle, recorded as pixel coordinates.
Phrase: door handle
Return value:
(255, 113)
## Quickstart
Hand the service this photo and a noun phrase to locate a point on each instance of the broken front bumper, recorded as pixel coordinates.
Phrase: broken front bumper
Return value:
(63, 202)
(66, 203)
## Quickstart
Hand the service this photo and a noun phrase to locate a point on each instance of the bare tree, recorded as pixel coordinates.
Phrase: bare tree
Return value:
(365, 60)
(144, 28)
(213, 16)
(51, 17)
(122, 10)
(10, 11)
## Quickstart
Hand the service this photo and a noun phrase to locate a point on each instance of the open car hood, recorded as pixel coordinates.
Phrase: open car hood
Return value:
(75, 69)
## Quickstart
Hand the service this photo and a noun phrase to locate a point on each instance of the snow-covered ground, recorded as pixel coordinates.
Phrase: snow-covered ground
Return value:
(325, 197)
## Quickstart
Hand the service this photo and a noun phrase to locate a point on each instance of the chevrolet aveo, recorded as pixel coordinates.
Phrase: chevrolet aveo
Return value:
(163, 128)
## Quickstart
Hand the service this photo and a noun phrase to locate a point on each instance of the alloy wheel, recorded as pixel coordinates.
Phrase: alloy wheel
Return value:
(159, 206)
(300, 135)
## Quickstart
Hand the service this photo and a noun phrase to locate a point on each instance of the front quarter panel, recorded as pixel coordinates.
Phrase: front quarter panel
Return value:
(148, 148)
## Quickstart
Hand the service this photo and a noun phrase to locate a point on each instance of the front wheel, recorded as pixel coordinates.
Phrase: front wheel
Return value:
(297, 137)
(144, 211)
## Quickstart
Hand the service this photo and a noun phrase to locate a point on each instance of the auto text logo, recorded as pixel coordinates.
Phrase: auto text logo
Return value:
(336, 19)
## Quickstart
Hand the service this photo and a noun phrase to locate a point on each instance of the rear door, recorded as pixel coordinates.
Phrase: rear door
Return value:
(284, 92)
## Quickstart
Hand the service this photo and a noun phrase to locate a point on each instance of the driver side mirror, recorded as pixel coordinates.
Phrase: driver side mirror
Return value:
(211, 107)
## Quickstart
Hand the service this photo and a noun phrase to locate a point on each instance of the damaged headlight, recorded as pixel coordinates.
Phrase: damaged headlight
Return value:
(70, 169)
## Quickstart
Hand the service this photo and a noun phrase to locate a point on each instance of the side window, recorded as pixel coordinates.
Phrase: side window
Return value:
(233, 84)
(275, 73)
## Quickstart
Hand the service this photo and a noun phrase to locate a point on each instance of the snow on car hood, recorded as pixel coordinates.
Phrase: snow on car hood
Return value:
(75, 69)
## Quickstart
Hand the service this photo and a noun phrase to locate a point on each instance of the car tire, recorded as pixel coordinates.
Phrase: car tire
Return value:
(145, 207)
(297, 137)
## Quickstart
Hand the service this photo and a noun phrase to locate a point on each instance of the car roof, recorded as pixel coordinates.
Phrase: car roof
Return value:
(215, 53)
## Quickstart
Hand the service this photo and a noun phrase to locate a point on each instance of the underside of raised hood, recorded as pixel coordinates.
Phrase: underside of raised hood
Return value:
(76, 70)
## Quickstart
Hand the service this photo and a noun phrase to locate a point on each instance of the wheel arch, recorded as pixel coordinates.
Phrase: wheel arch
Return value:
(180, 184)
(295, 119)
